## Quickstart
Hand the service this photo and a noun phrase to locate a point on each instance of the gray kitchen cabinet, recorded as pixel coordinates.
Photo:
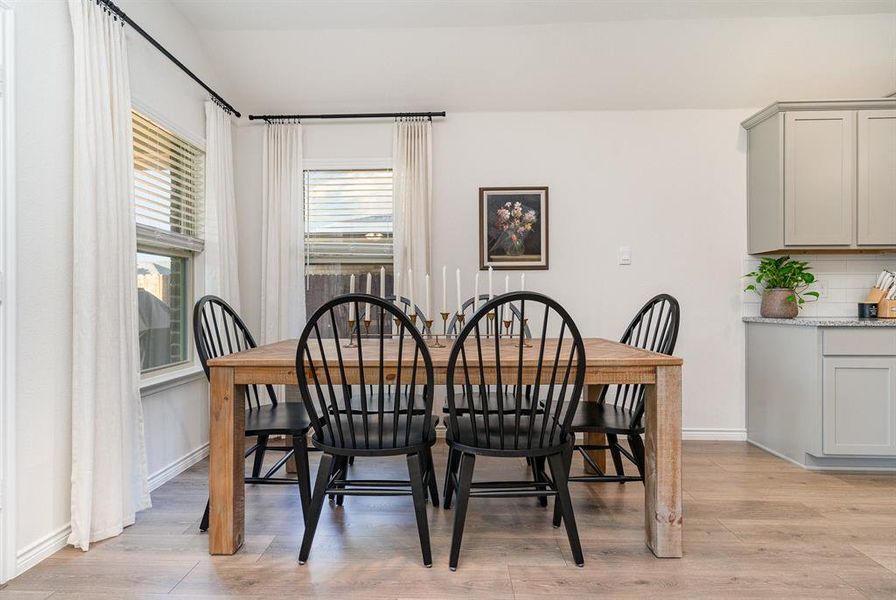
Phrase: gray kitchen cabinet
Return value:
(876, 178)
(820, 176)
(822, 392)
(859, 405)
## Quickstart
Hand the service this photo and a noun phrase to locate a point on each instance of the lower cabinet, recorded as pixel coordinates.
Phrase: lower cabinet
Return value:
(859, 405)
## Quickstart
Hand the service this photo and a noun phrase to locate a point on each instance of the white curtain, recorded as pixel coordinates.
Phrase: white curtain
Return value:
(109, 482)
(412, 189)
(221, 269)
(282, 234)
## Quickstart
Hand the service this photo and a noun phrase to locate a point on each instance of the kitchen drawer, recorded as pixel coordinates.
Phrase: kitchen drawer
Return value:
(859, 341)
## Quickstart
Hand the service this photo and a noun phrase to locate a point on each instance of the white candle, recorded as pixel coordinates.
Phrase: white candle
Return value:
(351, 305)
(523, 282)
(476, 292)
(410, 285)
(444, 289)
(367, 306)
(396, 288)
(507, 284)
(428, 304)
(459, 302)
(383, 283)
(490, 291)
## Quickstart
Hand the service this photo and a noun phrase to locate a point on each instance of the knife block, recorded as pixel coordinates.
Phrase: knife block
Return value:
(875, 295)
(886, 309)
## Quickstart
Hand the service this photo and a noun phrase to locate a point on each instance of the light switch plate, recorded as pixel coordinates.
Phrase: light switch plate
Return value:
(625, 255)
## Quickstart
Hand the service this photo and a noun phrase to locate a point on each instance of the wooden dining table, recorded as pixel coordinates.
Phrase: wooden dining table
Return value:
(607, 362)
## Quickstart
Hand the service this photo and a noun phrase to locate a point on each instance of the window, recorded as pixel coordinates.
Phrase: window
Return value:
(348, 230)
(168, 179)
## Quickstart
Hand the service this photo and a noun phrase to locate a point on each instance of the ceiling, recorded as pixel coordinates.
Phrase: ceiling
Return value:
(365, 14)
(279, 56)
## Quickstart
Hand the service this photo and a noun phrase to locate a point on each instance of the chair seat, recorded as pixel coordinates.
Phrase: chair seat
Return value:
(604, 418)
(383, 438)
(492, 440)
(278, 419)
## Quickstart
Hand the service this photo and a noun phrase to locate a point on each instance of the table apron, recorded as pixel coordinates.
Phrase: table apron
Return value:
(593, 375)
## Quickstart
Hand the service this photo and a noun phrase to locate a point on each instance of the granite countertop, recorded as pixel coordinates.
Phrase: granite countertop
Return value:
(824, 322)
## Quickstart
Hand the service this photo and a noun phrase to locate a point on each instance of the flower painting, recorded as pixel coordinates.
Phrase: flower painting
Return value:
(513, 228)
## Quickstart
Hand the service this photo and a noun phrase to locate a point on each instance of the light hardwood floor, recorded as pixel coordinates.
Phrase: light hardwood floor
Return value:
(755, 526)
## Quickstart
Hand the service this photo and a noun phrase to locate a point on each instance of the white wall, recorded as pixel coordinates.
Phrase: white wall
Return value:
(670, 184)
(176, 417)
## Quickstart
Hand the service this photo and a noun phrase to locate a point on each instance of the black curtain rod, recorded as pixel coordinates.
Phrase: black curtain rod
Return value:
(121, 15)
(346, 116)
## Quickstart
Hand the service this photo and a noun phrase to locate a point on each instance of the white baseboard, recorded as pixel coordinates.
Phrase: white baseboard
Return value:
(56, 540)
(42, 548)
(713, 434)
(166, 474)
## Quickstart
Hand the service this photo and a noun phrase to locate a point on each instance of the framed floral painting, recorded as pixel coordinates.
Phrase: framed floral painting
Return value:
(513, 228)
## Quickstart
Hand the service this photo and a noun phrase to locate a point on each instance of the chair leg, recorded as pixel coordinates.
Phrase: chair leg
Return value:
(429, 470)
(259, 455)
(303, 474)
(559, 472)
(317, 504)
(637, 446)
(537, 470)
(467, 462)
(342, 468)
(203, 526)
(567, 461)
(415, 470)
(450, 470)
(613, 442)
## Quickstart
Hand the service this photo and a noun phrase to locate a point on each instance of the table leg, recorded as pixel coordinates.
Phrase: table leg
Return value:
(662, 468)
(226, 463)
(592, 393)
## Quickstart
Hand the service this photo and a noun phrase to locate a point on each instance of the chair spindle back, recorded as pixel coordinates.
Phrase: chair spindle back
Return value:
(219, 331)
(332, 371)
(542, 404)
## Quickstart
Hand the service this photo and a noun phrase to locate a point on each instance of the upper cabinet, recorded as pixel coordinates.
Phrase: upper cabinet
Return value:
(876, 183)
(822, 176)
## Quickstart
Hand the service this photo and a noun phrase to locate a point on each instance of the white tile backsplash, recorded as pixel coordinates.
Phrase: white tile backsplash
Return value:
(845, 281)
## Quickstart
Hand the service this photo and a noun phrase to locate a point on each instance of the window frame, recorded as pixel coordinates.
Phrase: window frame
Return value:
(165, 243)
(346, 164)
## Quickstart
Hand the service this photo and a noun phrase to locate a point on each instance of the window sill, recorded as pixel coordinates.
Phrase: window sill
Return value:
(165, 381)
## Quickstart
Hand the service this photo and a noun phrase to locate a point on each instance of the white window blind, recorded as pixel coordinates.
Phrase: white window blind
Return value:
(348, 216)
(168, 182)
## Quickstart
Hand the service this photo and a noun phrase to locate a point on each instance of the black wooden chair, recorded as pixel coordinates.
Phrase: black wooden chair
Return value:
(621, 412)
(510, 320)
(219, 331)
(540, 431)
(371, 418)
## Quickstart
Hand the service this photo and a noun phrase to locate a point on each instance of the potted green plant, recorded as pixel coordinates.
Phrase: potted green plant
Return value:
(782, 283)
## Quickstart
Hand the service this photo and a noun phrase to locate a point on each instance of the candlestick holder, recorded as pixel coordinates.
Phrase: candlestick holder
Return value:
(491, 325)
(507, 325)
(351, 334)
(445, 316)
(366, 325)
(524, 324)
(397, 322)
(432, 340)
